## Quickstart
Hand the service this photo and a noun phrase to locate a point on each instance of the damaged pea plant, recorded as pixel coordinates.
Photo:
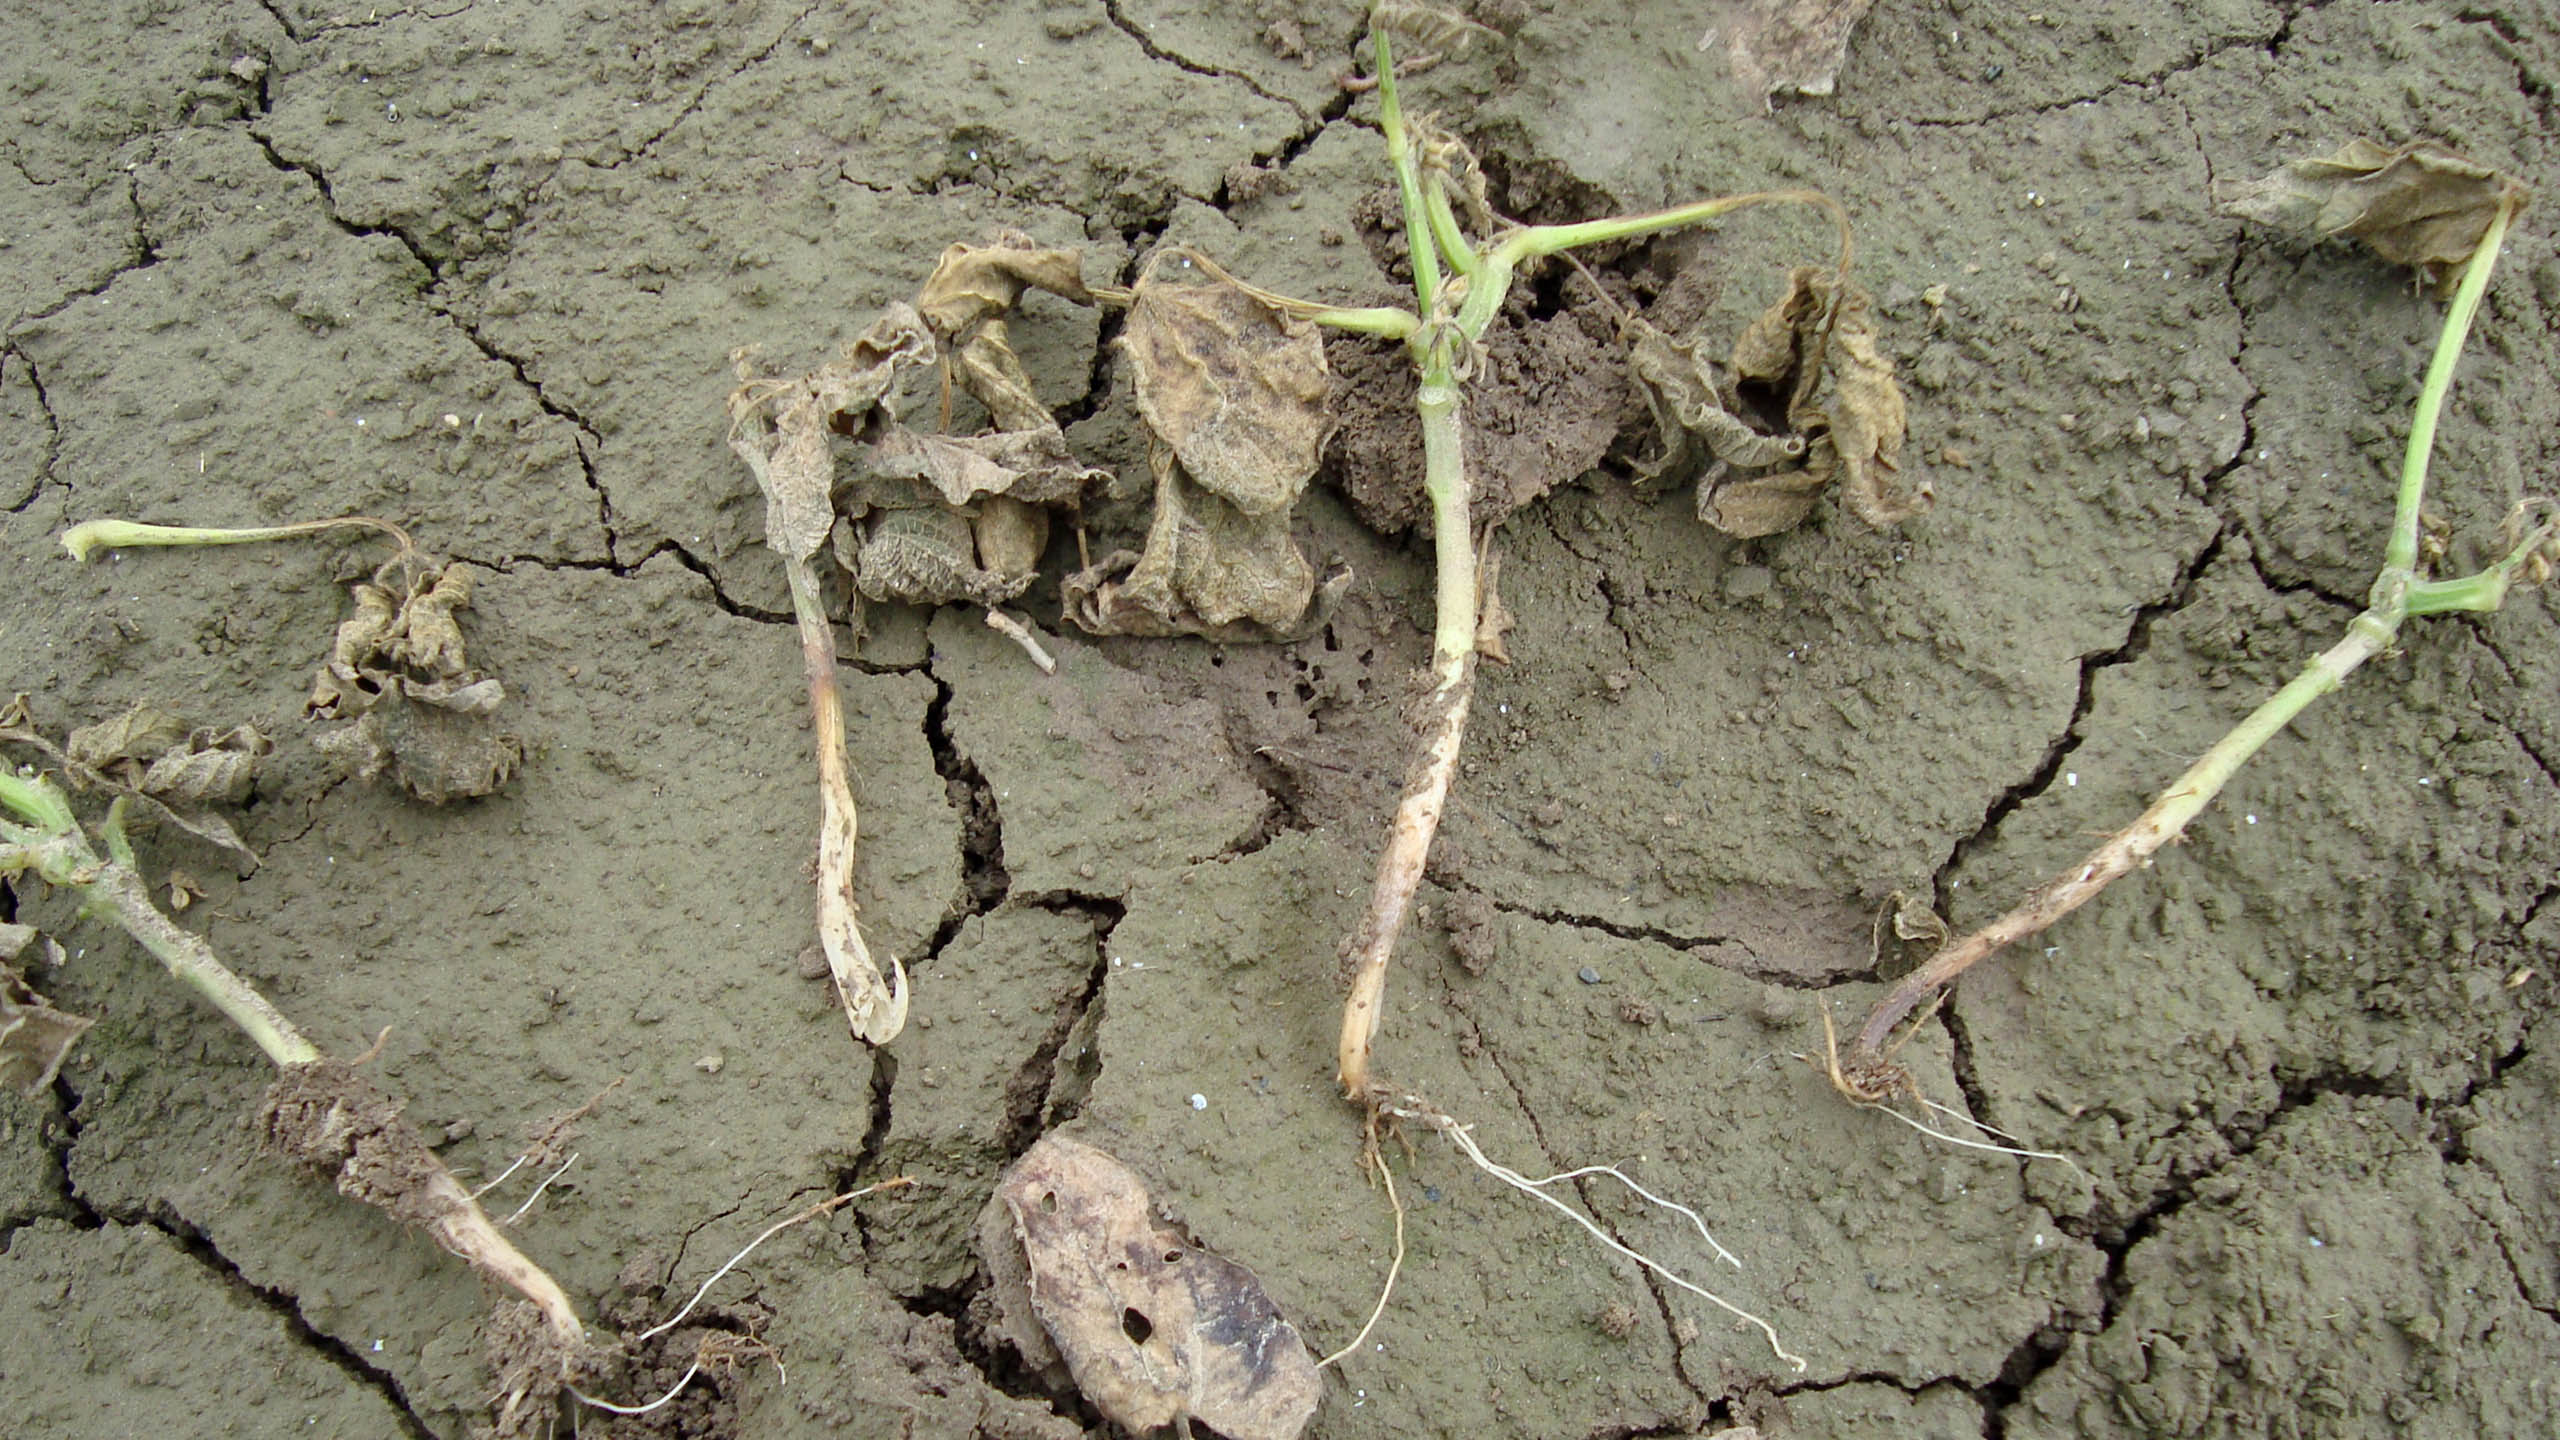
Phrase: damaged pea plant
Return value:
(1232, 383)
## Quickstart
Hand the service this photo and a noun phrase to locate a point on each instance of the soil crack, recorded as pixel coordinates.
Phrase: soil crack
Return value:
(1137, 33)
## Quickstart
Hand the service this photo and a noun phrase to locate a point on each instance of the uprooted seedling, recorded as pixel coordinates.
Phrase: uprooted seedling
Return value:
(320, 1112)
(2421, 206)
(1841, 419)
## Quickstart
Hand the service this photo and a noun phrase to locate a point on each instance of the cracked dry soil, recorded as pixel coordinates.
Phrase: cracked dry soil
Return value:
(477, 267)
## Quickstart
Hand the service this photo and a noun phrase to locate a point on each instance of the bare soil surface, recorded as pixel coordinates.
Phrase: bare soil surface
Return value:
(478, 268)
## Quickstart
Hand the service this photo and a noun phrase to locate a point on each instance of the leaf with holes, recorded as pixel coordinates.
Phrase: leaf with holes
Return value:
(1155, 1330)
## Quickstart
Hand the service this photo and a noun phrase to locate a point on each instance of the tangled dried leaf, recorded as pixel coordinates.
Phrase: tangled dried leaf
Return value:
(398, 673)
(1155, 1330)
(1820, 329)
(2421, 205)
(1796, 45)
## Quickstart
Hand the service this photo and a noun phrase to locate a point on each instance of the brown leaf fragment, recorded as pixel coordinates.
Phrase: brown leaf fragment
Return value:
(416, 710)
(1693, 406)
(35, 1038)
(1844, 412)
(1209, 569)
(1232, 384)
(429, 639)
(209, 767)
(972, 284)
(1155, 1330)
(1028, 465)
(2421, 205)
(1748, 507)
(1796, 45)
(124, 747)
(1869, 422)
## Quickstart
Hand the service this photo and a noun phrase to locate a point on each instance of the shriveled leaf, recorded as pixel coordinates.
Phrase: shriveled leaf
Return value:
(429, 639)
(35, 1038)
(437, 755)
(1235, 386)
(341, 687)
(2420, 205)
(1155, 1330)
(1794, 45)
(1209, 569)
(209, 767)
(1869, 422)
(1845, 416)
(130, 740)
(780, 427)
(971, 284)
(1748, 507)
(924, 555)
(1028, 465)
(1692, 409)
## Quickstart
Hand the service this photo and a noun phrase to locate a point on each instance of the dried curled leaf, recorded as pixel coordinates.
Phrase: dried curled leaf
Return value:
(1820, 334)
(2420, 205)
(1209, 569)
(1235, 386)
(780, 427)
(35, 1038)
(398, 672)
(1233, 390)
(1155, 1330)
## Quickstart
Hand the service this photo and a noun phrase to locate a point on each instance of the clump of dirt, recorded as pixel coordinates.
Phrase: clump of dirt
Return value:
(1544, 408)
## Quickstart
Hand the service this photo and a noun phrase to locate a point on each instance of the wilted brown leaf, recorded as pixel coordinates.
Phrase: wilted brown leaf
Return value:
(780, 427)
(972, 284)
(1155, 1330)
(1820, 330)
(34, 1037)
(1232, 384)
(129, 741)
(2420, 205)
(1794, 45)
(399, 673)
(1209, 569)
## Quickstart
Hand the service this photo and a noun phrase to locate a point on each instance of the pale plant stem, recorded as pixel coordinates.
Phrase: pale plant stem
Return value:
(1442, 726)
(2132, 846)
(875, 1009)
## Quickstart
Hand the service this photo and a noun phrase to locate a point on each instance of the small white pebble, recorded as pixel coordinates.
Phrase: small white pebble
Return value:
(711, 1064)
(2253, 819)
(2070, 777)
(1199, 1101)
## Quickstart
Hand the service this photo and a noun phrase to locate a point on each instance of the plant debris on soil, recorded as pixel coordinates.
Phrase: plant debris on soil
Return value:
(483, 271)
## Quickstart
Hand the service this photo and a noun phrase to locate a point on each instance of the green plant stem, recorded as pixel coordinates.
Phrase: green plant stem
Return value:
(114, 889)
(2401, 553)
(1417, 219)
(2398, 593)
(1493, 279)
(2367, 635)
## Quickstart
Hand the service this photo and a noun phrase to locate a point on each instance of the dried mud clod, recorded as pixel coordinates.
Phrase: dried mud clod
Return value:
(398, 674)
